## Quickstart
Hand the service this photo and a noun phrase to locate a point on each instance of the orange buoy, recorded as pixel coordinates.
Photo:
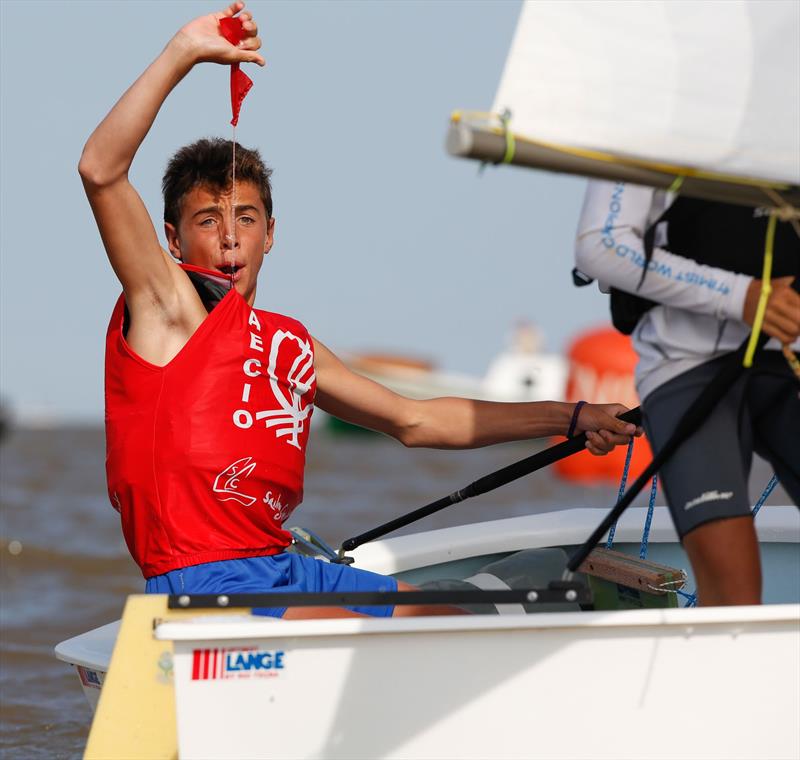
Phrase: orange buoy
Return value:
(601, 366)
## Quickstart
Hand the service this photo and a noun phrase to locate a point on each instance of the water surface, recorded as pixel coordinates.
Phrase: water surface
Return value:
(65, 569)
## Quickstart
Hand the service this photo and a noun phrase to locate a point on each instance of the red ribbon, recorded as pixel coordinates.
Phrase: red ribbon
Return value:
(231, 29)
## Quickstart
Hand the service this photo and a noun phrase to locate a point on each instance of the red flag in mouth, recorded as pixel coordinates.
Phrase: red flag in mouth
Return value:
(231, 29)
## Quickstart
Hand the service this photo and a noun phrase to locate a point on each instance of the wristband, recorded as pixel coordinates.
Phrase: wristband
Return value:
(574, 421)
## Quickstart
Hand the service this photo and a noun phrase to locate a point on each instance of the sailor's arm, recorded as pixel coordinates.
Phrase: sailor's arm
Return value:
(609, 247)
(457, 423)
(125, 226)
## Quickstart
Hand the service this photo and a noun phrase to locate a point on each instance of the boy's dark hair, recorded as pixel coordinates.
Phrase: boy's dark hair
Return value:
(207, 162)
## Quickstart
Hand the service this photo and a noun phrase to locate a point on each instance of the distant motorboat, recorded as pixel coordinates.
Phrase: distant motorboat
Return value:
(520, 373)
(511, 376)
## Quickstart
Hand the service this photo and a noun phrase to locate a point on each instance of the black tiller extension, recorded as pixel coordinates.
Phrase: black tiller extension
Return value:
(482, 485)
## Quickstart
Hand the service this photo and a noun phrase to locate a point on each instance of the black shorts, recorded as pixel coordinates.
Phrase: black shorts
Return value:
(706, 478)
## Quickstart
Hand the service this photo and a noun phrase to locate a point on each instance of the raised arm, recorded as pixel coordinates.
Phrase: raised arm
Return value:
(457, 423)
(127, 231)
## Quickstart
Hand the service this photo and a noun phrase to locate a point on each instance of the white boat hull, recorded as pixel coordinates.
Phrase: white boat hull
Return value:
(649, 683)
(715, 683)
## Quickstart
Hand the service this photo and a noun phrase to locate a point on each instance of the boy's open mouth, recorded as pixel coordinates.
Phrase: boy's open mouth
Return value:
(232, 271)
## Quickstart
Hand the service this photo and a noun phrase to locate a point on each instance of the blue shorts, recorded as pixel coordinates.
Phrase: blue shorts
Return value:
(286, 572)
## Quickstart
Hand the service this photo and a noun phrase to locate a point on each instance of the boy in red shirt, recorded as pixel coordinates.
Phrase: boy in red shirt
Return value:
(208, 400)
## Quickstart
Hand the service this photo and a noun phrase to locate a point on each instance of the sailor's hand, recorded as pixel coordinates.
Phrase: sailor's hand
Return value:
(202, 39)
(782, 316)
(603, 429)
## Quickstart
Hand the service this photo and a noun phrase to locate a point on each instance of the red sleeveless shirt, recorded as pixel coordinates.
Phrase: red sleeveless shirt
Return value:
(205, 456)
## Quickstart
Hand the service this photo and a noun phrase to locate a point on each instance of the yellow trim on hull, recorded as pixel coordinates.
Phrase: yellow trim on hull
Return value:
(135, 717)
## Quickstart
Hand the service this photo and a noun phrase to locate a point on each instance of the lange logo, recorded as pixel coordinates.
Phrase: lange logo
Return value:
(226, 484)
(246, 662)
(91, 678)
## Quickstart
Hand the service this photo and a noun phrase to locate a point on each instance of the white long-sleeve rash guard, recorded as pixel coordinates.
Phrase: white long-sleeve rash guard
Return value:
(699, 316)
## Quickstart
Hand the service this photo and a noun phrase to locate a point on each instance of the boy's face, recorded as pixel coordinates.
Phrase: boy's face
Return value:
(204, 236)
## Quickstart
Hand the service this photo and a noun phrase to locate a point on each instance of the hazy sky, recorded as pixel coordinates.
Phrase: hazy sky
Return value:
(383, 241)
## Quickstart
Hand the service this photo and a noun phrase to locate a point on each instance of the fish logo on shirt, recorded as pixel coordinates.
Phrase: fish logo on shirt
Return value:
(294, 400)
(227, 482)
(291, 376)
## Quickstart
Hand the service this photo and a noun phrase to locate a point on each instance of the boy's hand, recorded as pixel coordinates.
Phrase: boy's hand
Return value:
(201, 38)
(782, 316)
(603, 429)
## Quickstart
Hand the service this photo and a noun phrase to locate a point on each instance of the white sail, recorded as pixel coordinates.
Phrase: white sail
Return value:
(709, 85)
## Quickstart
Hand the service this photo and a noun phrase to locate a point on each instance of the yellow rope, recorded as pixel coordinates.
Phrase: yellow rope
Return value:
(508, 156)
(676, 185)
(511, 145)
(766, 289)
(786, 212)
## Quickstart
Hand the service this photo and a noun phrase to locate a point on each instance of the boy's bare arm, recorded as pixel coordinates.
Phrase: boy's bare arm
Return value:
(125, 226)
(457, 423)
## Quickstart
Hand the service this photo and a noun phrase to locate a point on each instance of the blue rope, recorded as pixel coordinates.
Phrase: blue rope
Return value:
(767, 491)
(649, 519)
(613, 529)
